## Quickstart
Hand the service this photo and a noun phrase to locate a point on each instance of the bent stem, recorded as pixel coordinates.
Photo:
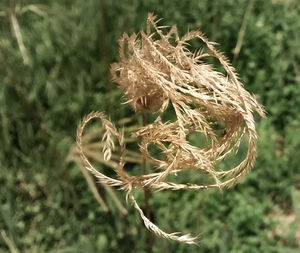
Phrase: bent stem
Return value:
(147, 194)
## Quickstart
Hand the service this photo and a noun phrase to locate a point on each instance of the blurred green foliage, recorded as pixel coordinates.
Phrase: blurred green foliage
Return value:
(46, 205)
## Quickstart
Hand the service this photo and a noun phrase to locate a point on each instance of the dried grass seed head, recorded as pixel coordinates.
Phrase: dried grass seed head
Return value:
(157, 69)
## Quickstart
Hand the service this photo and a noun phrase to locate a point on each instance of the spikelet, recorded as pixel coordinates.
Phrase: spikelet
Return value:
(157, 70)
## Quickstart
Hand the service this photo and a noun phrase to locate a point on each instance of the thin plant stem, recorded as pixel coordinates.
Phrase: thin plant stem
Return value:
(17, 32)
(242, 32)
(147, 194)
(9, 242)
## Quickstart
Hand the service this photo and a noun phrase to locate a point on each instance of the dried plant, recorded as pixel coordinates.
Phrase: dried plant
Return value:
(157, 71)
(91, 145)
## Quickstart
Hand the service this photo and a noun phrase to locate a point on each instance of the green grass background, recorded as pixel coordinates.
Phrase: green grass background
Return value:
(46, 205)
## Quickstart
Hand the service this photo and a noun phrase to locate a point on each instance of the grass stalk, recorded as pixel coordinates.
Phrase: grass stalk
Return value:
(147, 194)
(9, 242)
(242, 32)
(17, 32)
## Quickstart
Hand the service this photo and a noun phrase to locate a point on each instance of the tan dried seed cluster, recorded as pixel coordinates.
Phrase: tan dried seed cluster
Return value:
(156, 71)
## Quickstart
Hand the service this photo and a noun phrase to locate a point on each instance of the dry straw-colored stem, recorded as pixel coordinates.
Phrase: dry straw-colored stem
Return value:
(147, 193)
(157, 71)
(17, 32)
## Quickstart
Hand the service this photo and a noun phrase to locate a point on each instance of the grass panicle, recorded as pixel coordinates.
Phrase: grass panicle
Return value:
(157, 71)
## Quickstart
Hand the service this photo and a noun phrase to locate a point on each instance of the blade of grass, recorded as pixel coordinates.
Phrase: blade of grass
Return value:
(91, 184)
(17, 32)
(9, 242)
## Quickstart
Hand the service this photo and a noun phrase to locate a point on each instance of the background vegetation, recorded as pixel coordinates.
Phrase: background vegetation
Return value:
(62, 73)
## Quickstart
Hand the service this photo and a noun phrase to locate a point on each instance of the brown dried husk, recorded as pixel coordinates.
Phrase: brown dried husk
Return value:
(157, 70)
